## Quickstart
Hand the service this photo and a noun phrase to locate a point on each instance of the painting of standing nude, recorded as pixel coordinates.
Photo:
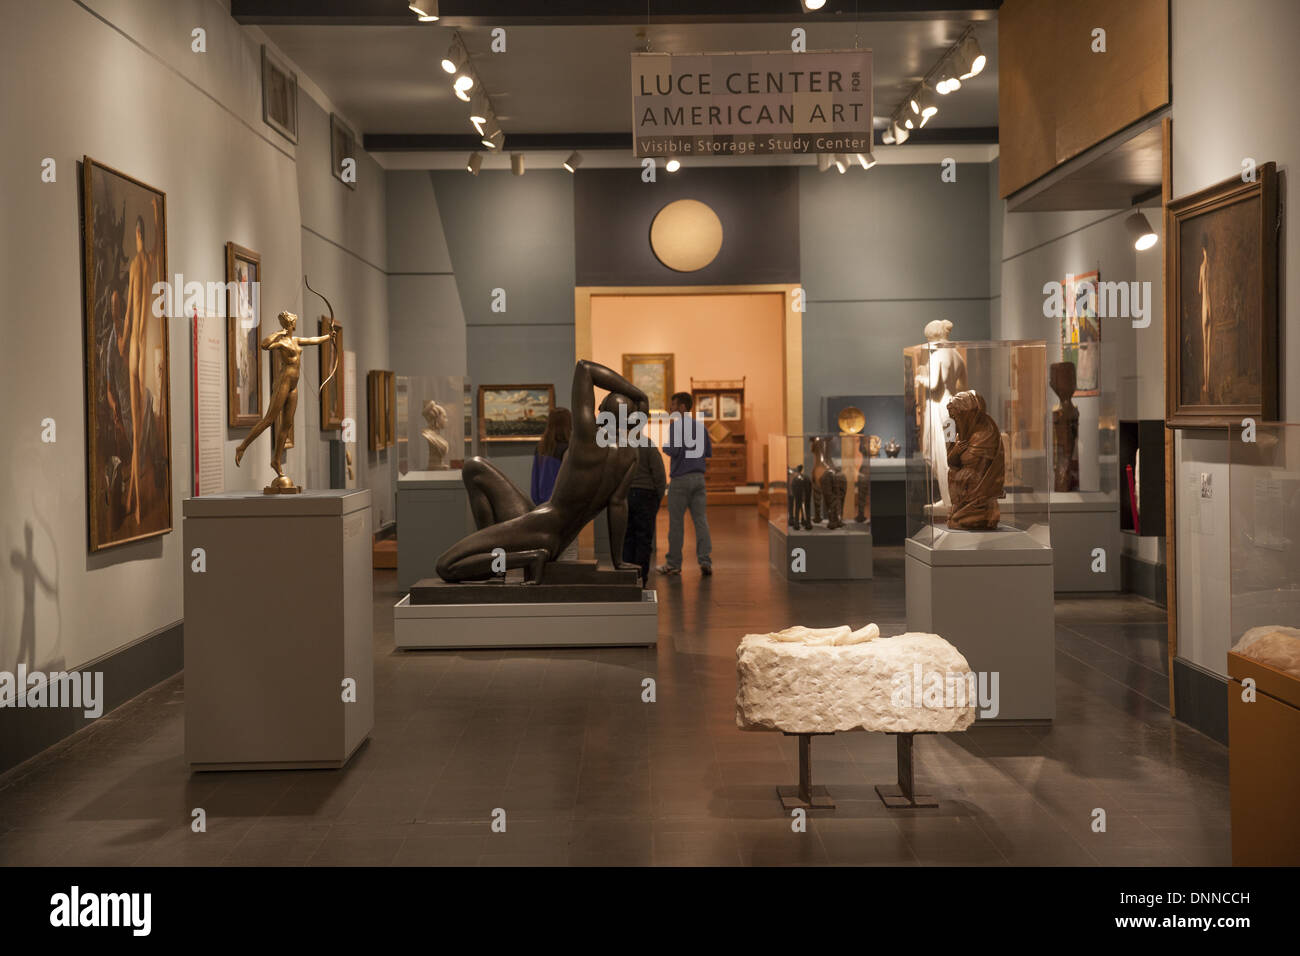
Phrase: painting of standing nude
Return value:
(1222, 343)
(128, 412)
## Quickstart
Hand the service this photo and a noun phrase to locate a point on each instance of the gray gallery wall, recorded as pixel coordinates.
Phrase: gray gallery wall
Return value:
(513, 233)
(118, 81)
(884, 252)
(1218, 51)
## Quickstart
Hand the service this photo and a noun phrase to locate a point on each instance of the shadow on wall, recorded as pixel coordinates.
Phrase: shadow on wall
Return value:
(25, 563)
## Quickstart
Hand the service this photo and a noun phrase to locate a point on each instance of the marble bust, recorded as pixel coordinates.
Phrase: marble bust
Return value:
(943, 377)
(436, 418)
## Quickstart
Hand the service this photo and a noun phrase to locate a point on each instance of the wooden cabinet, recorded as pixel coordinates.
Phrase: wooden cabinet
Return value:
(720, 407)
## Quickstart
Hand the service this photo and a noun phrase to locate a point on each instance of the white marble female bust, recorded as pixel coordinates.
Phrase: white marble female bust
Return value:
(436, 416)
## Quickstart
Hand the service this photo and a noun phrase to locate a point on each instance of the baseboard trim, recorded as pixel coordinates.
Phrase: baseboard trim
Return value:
(1201, 699)
(1143, 578)
(128, 672)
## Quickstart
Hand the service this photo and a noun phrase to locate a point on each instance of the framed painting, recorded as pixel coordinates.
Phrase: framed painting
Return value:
(243, 334)
(390, 408)
(1221, 332)
(331, 397)
(513, 412)
(653, 374)
(343, 145)
(730, 408)
(1081, 330)
(706, 407)
(279, 96)
(128, 382)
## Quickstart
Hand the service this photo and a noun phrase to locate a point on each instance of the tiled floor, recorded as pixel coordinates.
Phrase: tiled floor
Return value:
(589, 774)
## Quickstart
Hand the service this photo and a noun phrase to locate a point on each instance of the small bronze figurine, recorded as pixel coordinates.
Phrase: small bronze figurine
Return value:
(976, 465)
(800, 495)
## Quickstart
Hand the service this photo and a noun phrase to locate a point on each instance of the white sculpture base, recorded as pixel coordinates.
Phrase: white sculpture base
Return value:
(577, 624)
(990, 592)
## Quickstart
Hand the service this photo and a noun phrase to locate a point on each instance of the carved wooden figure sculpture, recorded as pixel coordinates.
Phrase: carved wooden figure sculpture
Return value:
(862, 486)
(976, 465)
(1065, 428)
(822, 464)
(834, 486)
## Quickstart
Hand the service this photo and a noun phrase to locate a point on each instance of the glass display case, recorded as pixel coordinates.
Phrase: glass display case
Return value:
(432, 416)
(956, 480)
(819, 483)
(1264, 530)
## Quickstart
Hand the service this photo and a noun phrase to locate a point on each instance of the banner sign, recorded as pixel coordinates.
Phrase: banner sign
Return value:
(737, 104)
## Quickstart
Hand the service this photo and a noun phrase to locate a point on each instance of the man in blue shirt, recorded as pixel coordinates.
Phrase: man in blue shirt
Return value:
(689, 449)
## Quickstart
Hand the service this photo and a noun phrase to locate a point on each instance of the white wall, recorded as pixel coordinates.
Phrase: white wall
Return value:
(1235, 72)
(117, 80)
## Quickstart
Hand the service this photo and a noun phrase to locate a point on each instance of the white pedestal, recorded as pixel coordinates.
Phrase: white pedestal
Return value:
(274, 625)
(989, 593)
(587, 624)
(840, 555)
(1083, 521)
(432, 515)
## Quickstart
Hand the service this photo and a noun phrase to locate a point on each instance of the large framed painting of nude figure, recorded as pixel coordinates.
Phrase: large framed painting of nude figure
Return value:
(128, 411)
(243, 336)
(1222, 342)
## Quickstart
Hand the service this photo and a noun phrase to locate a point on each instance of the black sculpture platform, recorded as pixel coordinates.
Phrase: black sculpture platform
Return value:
(562, 582)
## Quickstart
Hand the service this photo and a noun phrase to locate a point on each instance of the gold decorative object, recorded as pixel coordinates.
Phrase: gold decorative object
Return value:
(686, 235)
(284, 394)
(851, 420)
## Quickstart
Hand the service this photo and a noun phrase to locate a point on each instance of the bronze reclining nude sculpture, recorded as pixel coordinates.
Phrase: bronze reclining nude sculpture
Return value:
(594, 476)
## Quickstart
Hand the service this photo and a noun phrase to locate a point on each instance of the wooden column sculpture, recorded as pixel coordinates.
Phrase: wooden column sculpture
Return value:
(1065, 428)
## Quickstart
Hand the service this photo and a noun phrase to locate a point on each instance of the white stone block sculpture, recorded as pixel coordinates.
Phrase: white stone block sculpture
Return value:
(804, 681)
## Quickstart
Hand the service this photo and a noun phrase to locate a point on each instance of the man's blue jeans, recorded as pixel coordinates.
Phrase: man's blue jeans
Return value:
(687, 492)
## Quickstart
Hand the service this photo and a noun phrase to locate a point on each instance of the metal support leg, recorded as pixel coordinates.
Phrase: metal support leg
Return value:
(903, 796)
(805, 796)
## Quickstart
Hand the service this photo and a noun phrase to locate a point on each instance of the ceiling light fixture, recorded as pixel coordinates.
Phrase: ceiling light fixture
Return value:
(948, 81)
(866, 160)
(824, 162)
(673, 165)
(474, 163)
(573, 162)
(809, 6)
(480, 112)
(922, 102)
(457, 56)
(517, 163)
(841, 163)
(970, 59)
(495, 140)
(1144, 237)
(426, 10)
(464, 83)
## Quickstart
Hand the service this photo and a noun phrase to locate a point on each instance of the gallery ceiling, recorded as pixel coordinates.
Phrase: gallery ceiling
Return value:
(561, 78)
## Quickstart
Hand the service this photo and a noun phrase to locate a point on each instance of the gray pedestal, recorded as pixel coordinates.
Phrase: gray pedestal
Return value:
(1083, 521)
(279, 619)
(432, 515)
(589, 624)
(989, 593)
(840, 555)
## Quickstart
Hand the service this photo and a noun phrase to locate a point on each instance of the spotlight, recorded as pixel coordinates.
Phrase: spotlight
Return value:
(841, 163)
(1144, 237)
(970, 61)
(464, 83)
(810, 5)
(573, 162)
(866, 160)
(948, 82)
(456, 58)
(887, 137)
(474, 163)
(517, 163)
(922, 103)
(495, 140)
(900, 130)
(426, 10)
(480, 112)
(673, 165)
(824, 162)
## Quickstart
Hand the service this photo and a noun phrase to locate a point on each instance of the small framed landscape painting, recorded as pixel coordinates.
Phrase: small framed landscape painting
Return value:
(513, 412)
(653, 374)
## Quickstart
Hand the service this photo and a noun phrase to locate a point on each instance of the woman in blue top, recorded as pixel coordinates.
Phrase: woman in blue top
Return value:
(550, 452)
